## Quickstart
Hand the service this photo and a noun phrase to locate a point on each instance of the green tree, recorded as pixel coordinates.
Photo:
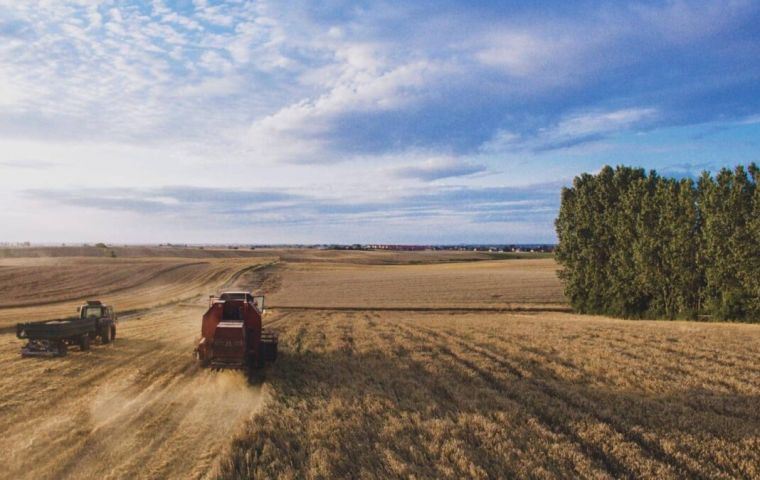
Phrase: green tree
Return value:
(633, 244)
(752, 266)
(726, 210)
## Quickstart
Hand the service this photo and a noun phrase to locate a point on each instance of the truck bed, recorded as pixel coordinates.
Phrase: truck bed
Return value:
(56, 329)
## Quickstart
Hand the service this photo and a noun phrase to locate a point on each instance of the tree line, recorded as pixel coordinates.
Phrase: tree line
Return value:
(635, 244)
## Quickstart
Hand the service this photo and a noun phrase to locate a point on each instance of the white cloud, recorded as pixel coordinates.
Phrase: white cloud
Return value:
(571, 130)
(524, 54)
(595, 123)
(436, 168)
(361, 87)
(12, 92)
(214, 62)
(212, 87)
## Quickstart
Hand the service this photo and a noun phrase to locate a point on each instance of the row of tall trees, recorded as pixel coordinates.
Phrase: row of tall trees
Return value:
(638, 245)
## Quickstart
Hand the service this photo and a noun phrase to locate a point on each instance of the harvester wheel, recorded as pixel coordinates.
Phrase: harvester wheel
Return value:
(202, 361)
(105, 336)
(84, 343)
(113, 332)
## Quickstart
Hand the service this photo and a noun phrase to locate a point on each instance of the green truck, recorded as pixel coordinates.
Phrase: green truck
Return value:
(51, 338)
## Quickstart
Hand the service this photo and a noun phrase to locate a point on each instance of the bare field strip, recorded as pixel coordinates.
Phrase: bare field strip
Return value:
(502, 283)
(372, 395)
(139, 408)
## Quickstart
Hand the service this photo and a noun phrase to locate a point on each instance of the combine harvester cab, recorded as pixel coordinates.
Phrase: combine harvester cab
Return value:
(232, 335)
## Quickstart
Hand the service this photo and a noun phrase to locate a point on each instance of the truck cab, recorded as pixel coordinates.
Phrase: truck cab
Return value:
(96, 309)
(105, 319)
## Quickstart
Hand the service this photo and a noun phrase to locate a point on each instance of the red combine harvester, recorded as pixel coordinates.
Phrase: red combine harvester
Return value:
(231, 333)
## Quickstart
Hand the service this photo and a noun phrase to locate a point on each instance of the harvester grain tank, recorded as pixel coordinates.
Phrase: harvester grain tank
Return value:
(232, 335)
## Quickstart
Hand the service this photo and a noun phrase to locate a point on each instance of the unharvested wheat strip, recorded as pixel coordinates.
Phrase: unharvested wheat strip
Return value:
(615, 422)
(701, 419)
(496, 394)
(695, 374)
(449, 416)
(705, 368)
(655, 358)
(490, 381)
(599, 440)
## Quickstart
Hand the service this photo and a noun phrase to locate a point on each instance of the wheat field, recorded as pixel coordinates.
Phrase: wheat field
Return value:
(500, 395)
(47, 288)
(482, 284)
(429, 365)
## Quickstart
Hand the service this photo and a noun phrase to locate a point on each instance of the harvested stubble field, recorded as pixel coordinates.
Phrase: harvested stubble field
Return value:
(44, 288)
(139, 408)
(428, 390)
(482, 284)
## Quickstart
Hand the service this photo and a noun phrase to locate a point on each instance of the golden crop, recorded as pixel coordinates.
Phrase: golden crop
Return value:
(391, 365)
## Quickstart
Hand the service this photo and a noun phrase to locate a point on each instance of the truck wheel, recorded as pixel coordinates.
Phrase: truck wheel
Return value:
(84, 343)
(105, 336)
(113, 332)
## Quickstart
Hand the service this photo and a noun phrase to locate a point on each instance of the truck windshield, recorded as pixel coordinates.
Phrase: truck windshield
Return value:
(91, 312)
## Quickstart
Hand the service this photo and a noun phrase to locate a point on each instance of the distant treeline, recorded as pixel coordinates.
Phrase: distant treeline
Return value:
(638, 245)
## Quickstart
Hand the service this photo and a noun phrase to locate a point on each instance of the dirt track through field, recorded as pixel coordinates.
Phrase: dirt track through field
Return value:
(137, 408)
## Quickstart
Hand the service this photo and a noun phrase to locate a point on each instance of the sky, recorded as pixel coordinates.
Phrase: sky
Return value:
(294, 121)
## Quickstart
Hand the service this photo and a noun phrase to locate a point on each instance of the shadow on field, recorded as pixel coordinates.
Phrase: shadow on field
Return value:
(440, 413)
